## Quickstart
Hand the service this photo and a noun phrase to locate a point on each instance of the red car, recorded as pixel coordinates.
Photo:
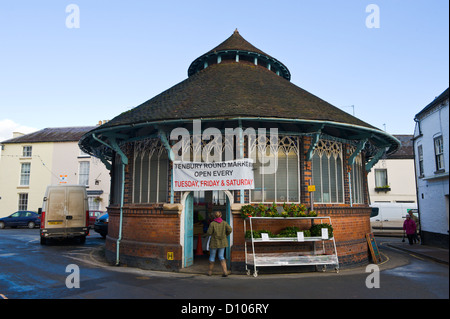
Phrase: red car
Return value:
(93, 215)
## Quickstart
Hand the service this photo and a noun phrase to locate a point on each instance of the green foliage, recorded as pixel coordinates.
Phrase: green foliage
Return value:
(316, 230)
(257, 233)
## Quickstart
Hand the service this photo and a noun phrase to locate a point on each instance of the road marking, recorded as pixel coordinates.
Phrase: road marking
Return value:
(3, 296)
(416, 257)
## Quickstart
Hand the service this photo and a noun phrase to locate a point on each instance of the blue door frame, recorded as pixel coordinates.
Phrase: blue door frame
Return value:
(189, 230)
(188, 258)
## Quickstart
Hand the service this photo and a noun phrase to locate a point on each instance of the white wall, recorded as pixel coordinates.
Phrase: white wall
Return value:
(433, 187)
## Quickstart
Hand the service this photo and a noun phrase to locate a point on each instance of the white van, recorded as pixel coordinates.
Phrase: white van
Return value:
(388, 218)
(65, 213)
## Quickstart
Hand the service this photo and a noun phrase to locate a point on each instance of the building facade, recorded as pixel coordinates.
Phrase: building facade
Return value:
(392, 179)
(31, 162)
(237, 103)
(431, 143)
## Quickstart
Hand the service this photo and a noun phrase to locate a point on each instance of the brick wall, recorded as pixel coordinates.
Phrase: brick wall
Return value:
(151, 231)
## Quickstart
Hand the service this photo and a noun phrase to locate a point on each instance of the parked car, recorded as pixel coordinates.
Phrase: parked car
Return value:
(101, 225)
(21, 218)
(93, 215)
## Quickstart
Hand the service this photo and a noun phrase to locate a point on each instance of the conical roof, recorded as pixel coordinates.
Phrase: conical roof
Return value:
(230, 90)
(227, 84)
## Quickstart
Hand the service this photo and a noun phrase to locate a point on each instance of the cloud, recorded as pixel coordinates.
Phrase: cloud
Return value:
(7, 127)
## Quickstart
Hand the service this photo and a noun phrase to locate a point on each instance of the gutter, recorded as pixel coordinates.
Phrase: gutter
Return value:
(272, 119)
(124, 161)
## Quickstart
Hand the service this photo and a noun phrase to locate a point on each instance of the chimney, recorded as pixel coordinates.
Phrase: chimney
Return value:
(17, 134)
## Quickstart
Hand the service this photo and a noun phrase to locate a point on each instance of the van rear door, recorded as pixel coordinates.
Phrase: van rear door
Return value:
(76, 207)
(55, 212)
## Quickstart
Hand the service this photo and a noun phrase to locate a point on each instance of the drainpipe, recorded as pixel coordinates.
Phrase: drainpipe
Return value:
(350, 188)
(124, 161)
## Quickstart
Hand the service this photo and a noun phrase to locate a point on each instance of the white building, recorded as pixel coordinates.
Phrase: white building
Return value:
(431, 144)
(51, 156)
(392, 179)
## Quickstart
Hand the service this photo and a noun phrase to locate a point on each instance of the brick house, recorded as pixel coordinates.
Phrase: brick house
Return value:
(236, 87)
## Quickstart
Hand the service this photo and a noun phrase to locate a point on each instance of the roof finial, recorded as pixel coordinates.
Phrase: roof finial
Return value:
(236, 31)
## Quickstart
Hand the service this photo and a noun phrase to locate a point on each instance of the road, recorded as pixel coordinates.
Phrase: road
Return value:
(31, 271)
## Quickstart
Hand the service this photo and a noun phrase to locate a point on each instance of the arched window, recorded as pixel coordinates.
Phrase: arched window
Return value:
(150, 172)
(327, 172)
(279, 185)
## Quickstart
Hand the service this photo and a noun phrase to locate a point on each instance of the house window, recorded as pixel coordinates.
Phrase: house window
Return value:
(150, 173)
(26, 151)
(439, 153)
(381, 178)
(93, 202)
(282, 185)
(83, 175)
(23, 201)
(420, 153)
(327, 172)
(25, 174)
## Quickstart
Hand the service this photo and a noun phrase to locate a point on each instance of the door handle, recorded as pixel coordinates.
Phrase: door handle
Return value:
(68, 217)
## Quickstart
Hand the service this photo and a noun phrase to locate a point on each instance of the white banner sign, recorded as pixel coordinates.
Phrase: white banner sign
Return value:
(202, 176)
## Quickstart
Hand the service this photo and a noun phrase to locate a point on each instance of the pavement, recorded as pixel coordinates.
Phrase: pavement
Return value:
(434, 253)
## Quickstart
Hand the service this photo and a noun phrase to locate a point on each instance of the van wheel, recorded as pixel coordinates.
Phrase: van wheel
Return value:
(2, 225)
(31, 225)
(43, 241)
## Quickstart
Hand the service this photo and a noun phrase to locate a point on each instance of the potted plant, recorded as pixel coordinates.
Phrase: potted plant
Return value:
(248, 211)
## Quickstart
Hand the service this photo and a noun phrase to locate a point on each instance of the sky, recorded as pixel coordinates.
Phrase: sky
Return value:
(62, 67)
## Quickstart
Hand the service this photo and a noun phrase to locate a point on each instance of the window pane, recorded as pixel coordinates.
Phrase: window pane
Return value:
(282, 176)
(84, 173)
(380, 177)
(317, 178)
(26, 151)
(333, 191)
(325, 179)
(269, 181)
(145, 169)
(339, 178)
(439, 152)
(257, 192)
(25, 174)
(153, 177)
(293, 177)
(137, 179)
(23, 201)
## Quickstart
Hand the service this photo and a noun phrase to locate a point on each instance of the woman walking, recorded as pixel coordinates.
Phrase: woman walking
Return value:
(409, 227)
(218, 230)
